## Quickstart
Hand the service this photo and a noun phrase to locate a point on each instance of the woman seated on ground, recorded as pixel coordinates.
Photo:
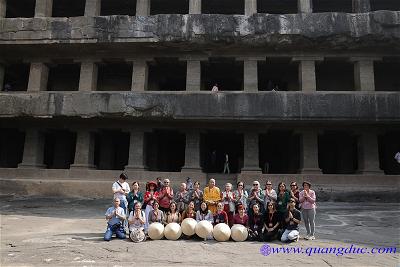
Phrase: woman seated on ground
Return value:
(271, 222)
(255, 224)
(137, 220)
(204, 213)
(220, 216)
(172, 215)
(156, 215)
(240, 217)
(189, 212)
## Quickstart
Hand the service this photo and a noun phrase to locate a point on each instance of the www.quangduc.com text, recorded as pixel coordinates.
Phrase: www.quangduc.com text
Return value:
(267, 250)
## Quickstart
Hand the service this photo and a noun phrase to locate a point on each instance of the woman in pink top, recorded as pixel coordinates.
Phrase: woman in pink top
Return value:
(307, 199)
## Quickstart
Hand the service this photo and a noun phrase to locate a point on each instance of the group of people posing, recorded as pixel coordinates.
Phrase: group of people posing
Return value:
(267, 214)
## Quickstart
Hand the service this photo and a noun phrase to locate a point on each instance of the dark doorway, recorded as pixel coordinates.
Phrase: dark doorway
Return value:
(337, 153)
(167, 74)
(389, 145)
(345, 6)
(114, 77)
(20, 8)
(214, 146)
(118, 7)
(16, 77)
(334, 75)
(11, 147)
(169, 7)
(393, 5)
(111, 150)
(165, 150)
(225, 72)
(59, 149)
(278, 74)
(64, 77)
(68, 8)
(386, 75)
(279, 152)
(226, 7)
(277, 6)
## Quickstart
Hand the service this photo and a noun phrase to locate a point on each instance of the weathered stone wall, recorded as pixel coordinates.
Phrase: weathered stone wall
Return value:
(314, 31)
(261, 106)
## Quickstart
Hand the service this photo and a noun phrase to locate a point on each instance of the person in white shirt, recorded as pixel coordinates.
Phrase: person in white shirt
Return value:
(121, 189)
(116, 217)
(397, 157)
(215, 88)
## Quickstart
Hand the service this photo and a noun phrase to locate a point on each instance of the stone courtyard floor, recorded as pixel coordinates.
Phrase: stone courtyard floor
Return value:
(68, 232)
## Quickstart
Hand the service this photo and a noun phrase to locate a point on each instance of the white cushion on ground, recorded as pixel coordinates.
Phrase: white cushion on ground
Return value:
(203, 228)
(222, 232)
(172, 231)
(156, 231)
(188, 226)
(239, 233)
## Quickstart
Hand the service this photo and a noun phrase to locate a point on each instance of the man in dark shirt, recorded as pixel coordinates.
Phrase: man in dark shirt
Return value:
(292, 219)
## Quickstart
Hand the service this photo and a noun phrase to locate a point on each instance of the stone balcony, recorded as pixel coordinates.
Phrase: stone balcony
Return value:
(331, 31)
(356, 106)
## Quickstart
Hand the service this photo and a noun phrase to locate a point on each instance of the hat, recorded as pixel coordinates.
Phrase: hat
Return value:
(123, 176)
(306, 182)
(151, 183)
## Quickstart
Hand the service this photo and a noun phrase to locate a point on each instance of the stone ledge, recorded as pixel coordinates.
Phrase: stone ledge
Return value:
(373, 30)
(223, 106)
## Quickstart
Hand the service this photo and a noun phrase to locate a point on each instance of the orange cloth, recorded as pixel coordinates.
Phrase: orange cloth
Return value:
(212, 195)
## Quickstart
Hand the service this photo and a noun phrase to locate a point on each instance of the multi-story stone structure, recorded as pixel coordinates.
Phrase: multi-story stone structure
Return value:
(307, 88)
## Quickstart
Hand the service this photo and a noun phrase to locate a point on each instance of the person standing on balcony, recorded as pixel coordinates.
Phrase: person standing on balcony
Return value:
(226, 164)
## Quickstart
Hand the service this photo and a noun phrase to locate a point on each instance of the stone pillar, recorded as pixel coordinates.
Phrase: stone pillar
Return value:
(192, 151)
(3, 6)
(361, 6)
(38, 76)
(33, 150)
(368, 154)
(2, 72)
(250, 157)
(142, 7)
(194, 6)
(304, 6)
(193, 75)
(309, 152)
(137, 154)
(307, 78)
(250, 7)
(250, 79)
(92, 8)
(139, 75)
(364, 79)
(84, 150)
(88, 76)
(43, 8)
